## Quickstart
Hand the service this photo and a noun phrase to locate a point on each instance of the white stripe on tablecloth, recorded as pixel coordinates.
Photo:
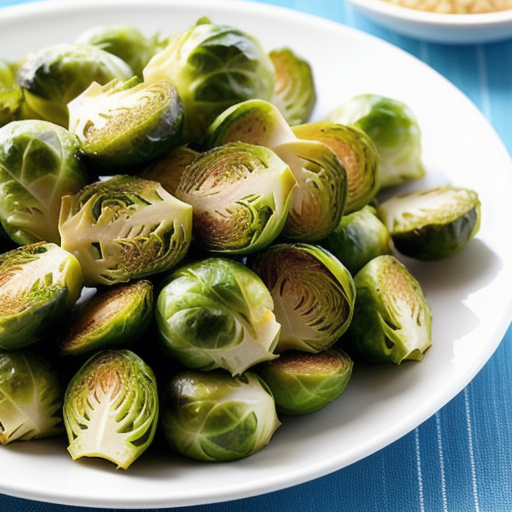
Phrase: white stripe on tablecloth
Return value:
(471, 451)
(418, 469)
(441, 461)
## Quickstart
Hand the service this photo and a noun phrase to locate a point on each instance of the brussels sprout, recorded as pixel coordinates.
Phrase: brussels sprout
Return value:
(359, 237)
(167, 170)
(126, 42)
(319, 200)
(303, 383)
(54, 75)
(124, 228)
(432, 224)
(115, 316)
(39, 285)
(111, 408)
(31, 397)
(10, 93)
(216, 313)
(241, 197)
(294, 90)
(216, 417)
(313, 294)
(392, 319)
(213, 67)
(395, 131)
(123, 124)
(358, 154)
(39, 163)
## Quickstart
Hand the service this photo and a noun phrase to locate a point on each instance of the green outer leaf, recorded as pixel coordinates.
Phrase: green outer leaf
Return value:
(111, 408)
(31, 398)
(215, 417)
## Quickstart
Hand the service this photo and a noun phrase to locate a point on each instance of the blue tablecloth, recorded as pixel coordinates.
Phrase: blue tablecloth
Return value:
(460, 460)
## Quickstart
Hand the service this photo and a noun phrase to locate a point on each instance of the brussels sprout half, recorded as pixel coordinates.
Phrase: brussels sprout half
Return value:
(111, 408)
(303, 383)
(241, 197)
(432, 224)
(124, 228)
(10, 93)
(124, 124)
(359, 237)
(115, 316)
(39, 285)
(294, 90)
(213, 67)
(215, 417)
(313, 294)
(31, 397)
(392, 319)
(357, 153)
(395, 131)
(217, 313)
(39, 163)
(52, 76)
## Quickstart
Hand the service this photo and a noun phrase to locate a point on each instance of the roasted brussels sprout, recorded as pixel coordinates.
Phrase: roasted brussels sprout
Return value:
(126, 42)
(432, 224)
(213, 67)
(124, 228)
(303, 383)
(294, 90)
(39, 285)
(395, 131)
(217, 313)
(359, 237)
(39, 163)
(313, 294)
(52, 76)
(112, 317)
(125, 124)
(215, 417)
(357, 152)
(31, 397)
(318, 202)
(10, 93)
(111, 408)
(241, 196)
(392, 319)
(167, 170)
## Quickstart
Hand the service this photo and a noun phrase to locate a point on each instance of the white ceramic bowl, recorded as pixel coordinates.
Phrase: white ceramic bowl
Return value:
(435, 27)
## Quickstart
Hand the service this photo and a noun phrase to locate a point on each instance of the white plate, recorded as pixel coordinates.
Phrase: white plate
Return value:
(437, 27)
(470, 294)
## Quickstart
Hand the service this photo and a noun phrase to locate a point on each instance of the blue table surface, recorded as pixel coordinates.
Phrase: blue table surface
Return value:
(459, 460)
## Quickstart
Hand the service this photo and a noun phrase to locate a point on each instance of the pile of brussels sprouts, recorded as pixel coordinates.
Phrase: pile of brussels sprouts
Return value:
(185, 255)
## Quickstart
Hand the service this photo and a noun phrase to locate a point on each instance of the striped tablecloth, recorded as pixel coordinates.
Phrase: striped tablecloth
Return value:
(459, 460)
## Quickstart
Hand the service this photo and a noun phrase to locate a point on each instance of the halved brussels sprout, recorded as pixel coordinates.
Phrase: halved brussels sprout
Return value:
(432, 224)
(395, 131)
(115, 316)
(31, 397)
(241, 196)
(167, 170)
(319, 200)
(213, 67)
(39, 285)
(52, 76)
(125, 41)
(111, 408)
(10, 93)
(217, 313)
(303, 383)
(392, 319)
(39, 163)
(294, 90)
(313, 294)
(357, 153)
(124, 228)
(215, 417)
(359, 237)
(124, 124)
